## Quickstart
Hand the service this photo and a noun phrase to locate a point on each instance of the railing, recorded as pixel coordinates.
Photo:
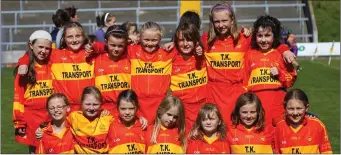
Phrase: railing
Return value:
(91, 26)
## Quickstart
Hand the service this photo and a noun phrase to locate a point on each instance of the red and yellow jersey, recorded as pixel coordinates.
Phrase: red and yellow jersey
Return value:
(90, 136)
(53, 143)
(208, 146)
(187, 82)
(243, 140)
(225, 59)
(28, 97)
(126, 140)
(257, 71)
(168, 141)
(309, 138)
(71, 72)
(150, 72)
(112, 77)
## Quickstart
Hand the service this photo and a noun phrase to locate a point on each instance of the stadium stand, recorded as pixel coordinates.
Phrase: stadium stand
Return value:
(21, 18)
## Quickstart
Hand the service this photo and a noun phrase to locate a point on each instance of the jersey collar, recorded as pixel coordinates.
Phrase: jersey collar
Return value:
(210, 140)
(300, 126)
(272, 50)
(120, 122)
(243, 128)
(49, 130)
(163, 128)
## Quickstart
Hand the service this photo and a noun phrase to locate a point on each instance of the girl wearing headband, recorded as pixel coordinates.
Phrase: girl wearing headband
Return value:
(32, 90)
(112, 68)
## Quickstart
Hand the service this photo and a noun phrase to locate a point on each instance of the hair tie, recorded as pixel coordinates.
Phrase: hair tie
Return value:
(222, 7)
(105, 17)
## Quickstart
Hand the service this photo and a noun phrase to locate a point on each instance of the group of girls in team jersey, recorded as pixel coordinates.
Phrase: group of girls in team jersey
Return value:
(228, 91)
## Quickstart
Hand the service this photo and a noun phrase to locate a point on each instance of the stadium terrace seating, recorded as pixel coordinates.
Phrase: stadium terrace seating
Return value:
(167, 17)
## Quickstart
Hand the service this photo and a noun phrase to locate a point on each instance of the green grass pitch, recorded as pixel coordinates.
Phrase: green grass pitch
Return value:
(319, 80)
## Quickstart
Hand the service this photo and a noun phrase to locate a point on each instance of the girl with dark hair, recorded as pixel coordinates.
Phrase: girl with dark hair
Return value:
(248, 133)
(265, 72)
(190, 17)
(104, 22)
(60, 18)
(126, 127)
(112, 68)
(298, 133)
(32, 90)
(72, 11)
(189, 74)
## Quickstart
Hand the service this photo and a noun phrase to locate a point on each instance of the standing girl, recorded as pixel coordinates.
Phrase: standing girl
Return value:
(73, 16)
(265, 72)
(112, 68)
(189, 74)
(32, 90)
(125, 133)
(167, 135)
(298, 133)
(71, 68)
(224, 51)
(248, 133)
(104, 22)
(57, 137)
(151, 69)
(208, 135)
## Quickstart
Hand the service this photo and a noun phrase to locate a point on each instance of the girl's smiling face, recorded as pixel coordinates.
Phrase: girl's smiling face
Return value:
(150, 40)
(295, 111)
(74, 38)
(264, 38)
